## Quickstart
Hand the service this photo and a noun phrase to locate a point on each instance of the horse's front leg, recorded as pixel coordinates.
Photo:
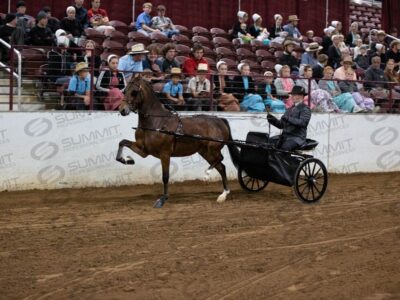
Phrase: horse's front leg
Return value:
(134, 146)
(165, 160)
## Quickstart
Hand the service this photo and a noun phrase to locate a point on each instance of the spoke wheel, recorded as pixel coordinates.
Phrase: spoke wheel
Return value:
(311, 180)
(250, 184)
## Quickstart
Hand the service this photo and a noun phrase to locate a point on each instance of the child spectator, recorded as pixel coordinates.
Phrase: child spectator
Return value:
(287, 58)
(143, 21)
(390, 72)
(362, 60)
(284, 84)
(151, 61)
(277, 28)
(87, 55)
(222, 89)
(133, 61)
(274, 104)
(112, 83)
(79, 87)
(200, 89)
(358, 44)
(70, 24)
(173, 89)
(168, 60)
(309, 37)
(191, 64)
(41, 35)
(240, 28)
(24, 21)
(164, 24)
(98, 18)
(394, 53)
(318, 69)
(310, 57)
(81, 14)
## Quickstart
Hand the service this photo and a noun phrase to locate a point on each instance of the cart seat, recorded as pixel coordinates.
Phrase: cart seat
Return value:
(309, 145)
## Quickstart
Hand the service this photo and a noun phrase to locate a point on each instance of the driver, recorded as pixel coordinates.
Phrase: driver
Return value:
(293, 123)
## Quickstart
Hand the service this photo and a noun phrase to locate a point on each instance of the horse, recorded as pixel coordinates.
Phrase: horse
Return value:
(141, 99)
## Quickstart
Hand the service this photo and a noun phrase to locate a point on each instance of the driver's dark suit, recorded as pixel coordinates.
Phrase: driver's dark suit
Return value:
(294, 124)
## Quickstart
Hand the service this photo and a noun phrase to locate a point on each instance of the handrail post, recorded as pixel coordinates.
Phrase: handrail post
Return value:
(92, 79)
(211, 92)
(11, 99)
(390, 97)
(309, 92)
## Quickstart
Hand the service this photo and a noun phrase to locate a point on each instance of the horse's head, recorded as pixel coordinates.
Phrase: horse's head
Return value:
(133, 98)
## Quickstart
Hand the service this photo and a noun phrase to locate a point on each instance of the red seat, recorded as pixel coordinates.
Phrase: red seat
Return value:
(246, 54)
(120, 26)
(222, 42)
(94, 35)
(209, 53)
(211, 63)
(276, 46)
(223, 52)
(317, 39)
(184, 31)
(264, 55)
(201, 31)
(254, 67)
(232, 64)
(182, 39)
(218, 32)
(203, 41)
(269, 65)
(238, 44)
(139, 37)
(256, 45)
(118, 36)
(157, 37)
(181, 59)
(182, 49)
(112, 47)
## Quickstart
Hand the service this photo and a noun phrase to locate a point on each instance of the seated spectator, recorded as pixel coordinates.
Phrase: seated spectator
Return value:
(71, 24)
(23, 21)
(112, 83)
(381, 40)
(318, 69)
(222, 89)
(98, 18)
(394, 53)
(334, 52)
(347, 63)
(173, 89)
(280, 39)
(375, 78)
(271, 102)
(143, 21)
(380, 51)
(284, 84)
(81, 14)
(148, 76)
(390, 72)
(200, 88)
(151, 60)
(327, 39)
(362, 60)
(257, 31)
(352, 35)
(291, 28)
(277, 28)
(310, 57)
(60, 62)
(133, 61)
(348, 86)
(339, 101)
(168, 60)
(338, 26)
(11, 34)
(244, 89)
(87, 55)
(287, 58)
(393, 32)
(309, 37)
(357, 50)
(54, 23)
(164, 24)
(41, 35)
(79, 88)
(240, 28)
(190, 65)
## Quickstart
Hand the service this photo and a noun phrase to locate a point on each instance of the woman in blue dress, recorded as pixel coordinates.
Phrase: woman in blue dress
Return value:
(268, 92)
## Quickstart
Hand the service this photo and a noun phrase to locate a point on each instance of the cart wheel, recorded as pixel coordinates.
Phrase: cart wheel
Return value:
(250, 184)
(311, 180)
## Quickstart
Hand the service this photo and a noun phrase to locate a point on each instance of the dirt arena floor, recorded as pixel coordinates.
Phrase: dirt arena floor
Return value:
(111, 243)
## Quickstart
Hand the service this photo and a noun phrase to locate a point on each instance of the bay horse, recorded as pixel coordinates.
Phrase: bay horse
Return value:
(140, 98)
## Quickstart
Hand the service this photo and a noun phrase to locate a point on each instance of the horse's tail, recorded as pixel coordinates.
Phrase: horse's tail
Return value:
(233, 149)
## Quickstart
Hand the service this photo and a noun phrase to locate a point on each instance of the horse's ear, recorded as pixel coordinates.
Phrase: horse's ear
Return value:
(138, 75)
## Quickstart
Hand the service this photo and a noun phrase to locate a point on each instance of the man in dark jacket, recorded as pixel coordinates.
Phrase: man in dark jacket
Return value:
(287, 58)
(375, 77)
(41, 34)
(293, 123)
(11, 34)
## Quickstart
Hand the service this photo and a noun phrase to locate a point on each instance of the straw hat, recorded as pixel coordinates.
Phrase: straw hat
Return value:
(346, 59)
(138, 49)
(268, 74)
(381, 32)
(289, 42)
(293, 18)
(202, 68)
(175, 72)
(81, 67)
(313, 47)
(394, 43)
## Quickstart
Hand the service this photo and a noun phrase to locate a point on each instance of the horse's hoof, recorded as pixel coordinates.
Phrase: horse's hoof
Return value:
(159, 203)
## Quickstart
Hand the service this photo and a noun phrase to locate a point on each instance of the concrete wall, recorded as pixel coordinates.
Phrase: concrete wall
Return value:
(48, 150)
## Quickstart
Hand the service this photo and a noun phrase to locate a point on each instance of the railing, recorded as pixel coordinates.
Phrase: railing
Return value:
(10, 69)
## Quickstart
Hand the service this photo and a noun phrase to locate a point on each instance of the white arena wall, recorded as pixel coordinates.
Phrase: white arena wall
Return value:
(47, 150)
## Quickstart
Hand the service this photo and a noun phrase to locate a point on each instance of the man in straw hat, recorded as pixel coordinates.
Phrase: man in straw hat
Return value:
(310, 57)
(293, 123)
(287, 58)
(200, 88)
(347, 63)
(133, 61)
(79, 87)
(291, 28)
(173, 89)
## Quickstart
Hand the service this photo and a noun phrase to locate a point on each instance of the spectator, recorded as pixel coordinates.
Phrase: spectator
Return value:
(280, 39)
(190, 65)
(342, 46)
(257, 31)
(380, 51)
(347, 63)
(169, 61)
(350, 87)
(164, 24)
(318, 69)
(381, 39)
(41, 35)
(287, 58)
(309, 37)
(54, 23)
(274, 104)
(11, 34)
(334, 53)
(394, 53)
(60, 62)
(147, 75)
(327, 39)
(310, 57)
(352, 35)
(81, 13)
(112, 83)
(284, 84)
(362, 60)
(393, 32)
(357, 50)
(98, 18)
(133, 61)
(240, 28)
(375, 78)
(79, 87)
(338, 26)
(143, 21)
(71, 24)
(277, 28)
(151, 61)
(390, 72)
(87, 55)
(173, 89)
(222, 89)
(200, 88)
(24, 21)
(339, 101)
(292, 30)
(244, 90)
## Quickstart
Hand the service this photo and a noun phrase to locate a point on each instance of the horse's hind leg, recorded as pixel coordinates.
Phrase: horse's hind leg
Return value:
(165, 161)
(222, 171)
(134, 147)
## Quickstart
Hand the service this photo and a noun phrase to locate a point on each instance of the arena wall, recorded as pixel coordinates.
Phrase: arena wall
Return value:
(78, 149)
